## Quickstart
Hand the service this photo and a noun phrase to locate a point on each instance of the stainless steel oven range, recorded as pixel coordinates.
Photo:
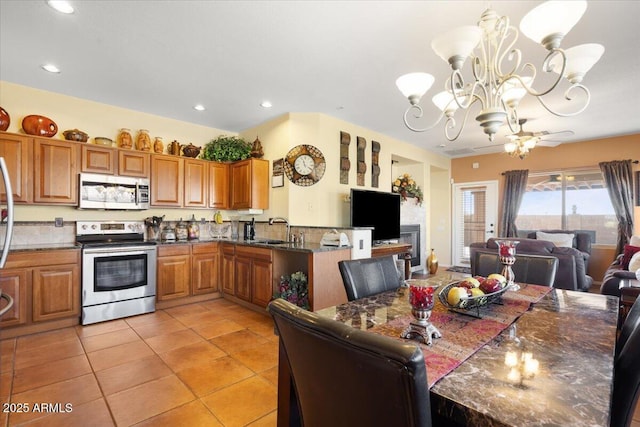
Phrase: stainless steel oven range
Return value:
(118, 270)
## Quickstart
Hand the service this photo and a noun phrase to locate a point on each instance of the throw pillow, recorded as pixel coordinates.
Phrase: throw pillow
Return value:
(628, 252)
(634, 264)
(558, 239)
(635, 241)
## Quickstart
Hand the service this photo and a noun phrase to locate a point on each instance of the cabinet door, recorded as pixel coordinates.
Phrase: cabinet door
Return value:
(173, 277)
(250, 184)
(166, 181)
(56, 292)
(227, 265)
(18, 154)
(133, 163)
(98, 159)
(15, 284)
(55, 172)
(261, 282)
(204, 277)
(196, 180)
(218, 185)
(243, 278)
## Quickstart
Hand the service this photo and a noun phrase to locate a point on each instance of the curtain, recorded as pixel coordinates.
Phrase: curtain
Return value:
(515, 184)
(618, 178)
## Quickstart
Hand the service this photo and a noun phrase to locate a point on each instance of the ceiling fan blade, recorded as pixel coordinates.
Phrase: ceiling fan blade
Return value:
(495, 147)
(561, 132)
(548, 143)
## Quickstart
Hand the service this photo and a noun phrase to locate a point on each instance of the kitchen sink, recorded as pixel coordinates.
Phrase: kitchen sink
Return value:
(270, 241)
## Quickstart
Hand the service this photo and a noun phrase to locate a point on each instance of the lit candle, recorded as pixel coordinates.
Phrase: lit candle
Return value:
(514, 375)
(531, 367)
(511, 359)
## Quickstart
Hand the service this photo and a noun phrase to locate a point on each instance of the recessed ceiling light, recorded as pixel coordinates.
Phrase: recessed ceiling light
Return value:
(199, 107)
(266, 104)
(61, 6)
(51, 68)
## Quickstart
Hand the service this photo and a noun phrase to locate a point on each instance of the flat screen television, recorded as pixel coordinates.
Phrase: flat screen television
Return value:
(378, 210)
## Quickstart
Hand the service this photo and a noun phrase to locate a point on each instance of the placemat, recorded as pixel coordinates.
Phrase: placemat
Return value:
(463, 335)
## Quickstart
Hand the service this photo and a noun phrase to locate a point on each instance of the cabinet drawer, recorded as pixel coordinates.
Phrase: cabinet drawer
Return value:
(252, 252)
(173, 250)
(41, 258)
(205, 248)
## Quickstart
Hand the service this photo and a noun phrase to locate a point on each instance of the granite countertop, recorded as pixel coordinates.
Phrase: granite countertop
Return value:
(290, 247)
(44, 247)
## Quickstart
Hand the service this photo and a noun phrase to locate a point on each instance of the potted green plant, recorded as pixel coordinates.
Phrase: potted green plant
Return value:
(226, 149)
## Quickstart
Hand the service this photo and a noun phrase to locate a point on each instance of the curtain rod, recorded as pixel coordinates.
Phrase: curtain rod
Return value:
(572, 169)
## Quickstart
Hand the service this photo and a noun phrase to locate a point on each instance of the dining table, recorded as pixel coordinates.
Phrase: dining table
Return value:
(473, 380)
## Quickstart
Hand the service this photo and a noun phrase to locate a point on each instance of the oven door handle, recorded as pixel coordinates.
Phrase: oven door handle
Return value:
(130, 250)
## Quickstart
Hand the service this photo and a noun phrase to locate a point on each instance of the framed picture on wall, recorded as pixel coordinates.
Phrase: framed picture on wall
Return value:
(277, 178)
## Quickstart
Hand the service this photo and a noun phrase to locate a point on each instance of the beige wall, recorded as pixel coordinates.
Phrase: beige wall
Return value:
(323, 203)
(565, 156)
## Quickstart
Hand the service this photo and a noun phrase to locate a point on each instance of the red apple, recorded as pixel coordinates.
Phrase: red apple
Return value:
(469, 283)
(490, 285)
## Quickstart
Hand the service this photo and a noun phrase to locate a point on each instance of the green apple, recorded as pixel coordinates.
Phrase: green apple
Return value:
(476, 292)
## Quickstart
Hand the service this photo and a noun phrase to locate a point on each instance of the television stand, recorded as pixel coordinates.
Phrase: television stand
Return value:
(401, 249)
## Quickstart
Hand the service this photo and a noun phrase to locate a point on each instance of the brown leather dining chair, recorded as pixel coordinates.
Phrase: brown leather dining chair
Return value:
(369, 276)
(533, 269)
(626, 381)
(347, 377)
(631, 323)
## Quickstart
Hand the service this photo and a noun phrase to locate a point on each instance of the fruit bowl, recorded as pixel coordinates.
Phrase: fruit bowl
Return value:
(218, 231)
(470, 303)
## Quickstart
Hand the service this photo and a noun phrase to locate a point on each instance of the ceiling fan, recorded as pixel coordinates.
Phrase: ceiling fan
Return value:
(522, 142)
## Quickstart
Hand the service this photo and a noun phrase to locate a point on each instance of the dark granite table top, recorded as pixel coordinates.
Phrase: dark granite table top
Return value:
(571, 334)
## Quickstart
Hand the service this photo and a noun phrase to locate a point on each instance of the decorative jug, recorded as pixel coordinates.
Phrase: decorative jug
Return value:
(174, 148)
(432, 262)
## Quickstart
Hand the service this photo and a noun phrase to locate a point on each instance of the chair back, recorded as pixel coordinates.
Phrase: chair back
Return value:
(631, 323)
(347, 377)
(369, 276)
(533, 269)
(626, 382)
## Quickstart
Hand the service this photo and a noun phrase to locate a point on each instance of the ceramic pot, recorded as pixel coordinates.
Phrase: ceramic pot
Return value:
(143, 140)
(75, 135)
(124, 139)
(5, 120)
(174, 148)
(158, 145)
(191, 150)
(39, 126)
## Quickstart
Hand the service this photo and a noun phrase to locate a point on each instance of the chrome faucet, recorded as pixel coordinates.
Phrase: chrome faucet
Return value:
(281, 220)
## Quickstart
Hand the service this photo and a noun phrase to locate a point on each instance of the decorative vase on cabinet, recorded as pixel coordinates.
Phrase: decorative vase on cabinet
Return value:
(124, 138)
(143, 140)
(432, 262)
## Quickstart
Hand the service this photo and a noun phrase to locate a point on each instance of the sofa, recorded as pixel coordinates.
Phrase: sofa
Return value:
(582, 240)
(572, 270)
(623, 267)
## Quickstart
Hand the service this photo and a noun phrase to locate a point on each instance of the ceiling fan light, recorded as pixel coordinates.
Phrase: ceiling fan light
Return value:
(510, 147)
(530, 143)
(414, 85)
(456, 45)
(549, 22)
(580, 59)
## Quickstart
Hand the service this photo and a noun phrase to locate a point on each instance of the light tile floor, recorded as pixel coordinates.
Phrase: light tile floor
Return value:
(206, 364)
(212, 363)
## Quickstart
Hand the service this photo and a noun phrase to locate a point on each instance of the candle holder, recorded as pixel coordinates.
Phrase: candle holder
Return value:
(421, 298)
(520, 362)
(507, 253)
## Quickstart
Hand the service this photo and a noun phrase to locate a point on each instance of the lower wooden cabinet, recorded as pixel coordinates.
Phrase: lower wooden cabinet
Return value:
(187, 269)
(227, 265)
(253, 274)
(44, 285)
(174, 271)
(56, 292)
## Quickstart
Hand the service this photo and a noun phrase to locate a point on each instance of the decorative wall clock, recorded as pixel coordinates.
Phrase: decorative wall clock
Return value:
(304, 165)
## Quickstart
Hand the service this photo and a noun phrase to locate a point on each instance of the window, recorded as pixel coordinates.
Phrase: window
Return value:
(569, 200)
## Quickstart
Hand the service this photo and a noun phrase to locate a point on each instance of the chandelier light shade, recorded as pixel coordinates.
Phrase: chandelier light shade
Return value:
(501, 79)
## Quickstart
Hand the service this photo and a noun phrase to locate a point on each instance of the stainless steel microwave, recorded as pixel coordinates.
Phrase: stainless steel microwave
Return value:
(113, 192)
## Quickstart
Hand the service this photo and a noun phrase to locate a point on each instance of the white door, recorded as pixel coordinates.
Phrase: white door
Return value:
(475, 212)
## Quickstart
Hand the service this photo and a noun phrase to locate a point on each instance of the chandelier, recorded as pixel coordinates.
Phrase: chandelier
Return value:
(496, 86)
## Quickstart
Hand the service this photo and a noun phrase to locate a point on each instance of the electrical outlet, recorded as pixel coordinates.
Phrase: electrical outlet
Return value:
(59, 222)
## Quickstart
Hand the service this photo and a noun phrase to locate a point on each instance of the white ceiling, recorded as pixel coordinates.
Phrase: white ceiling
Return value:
(340, 58)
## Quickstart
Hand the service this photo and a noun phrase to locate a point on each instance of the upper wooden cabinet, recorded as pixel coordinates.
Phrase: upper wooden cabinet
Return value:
(55, 172)
(167, 180)
(250, 184)
(133, 163)
(218, 185)
(96, 159)
(196, 173)
(18, 154)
